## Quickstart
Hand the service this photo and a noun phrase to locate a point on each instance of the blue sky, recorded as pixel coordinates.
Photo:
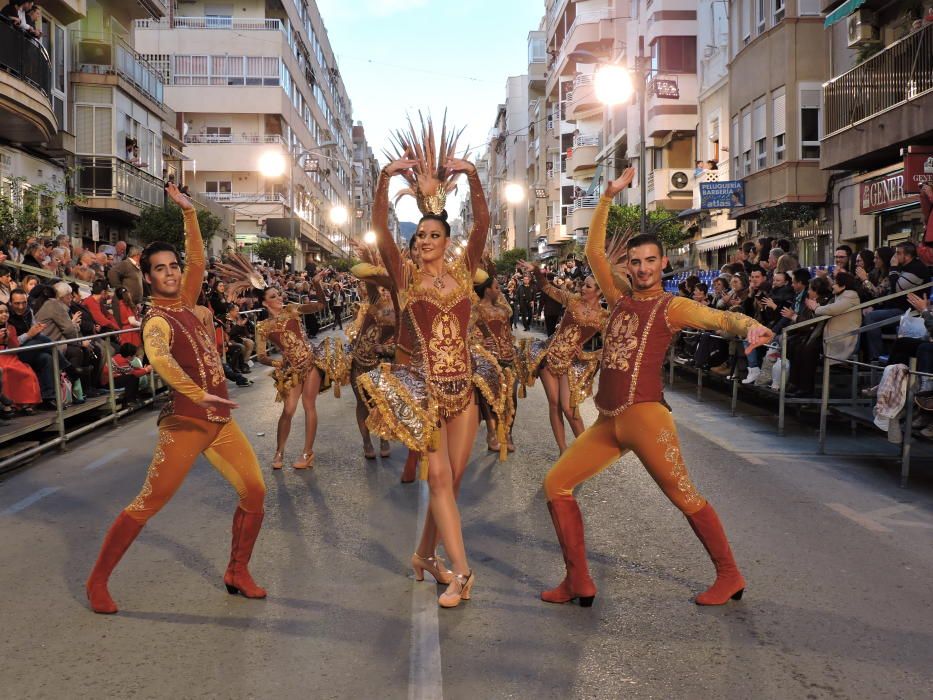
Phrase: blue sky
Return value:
(399, 56)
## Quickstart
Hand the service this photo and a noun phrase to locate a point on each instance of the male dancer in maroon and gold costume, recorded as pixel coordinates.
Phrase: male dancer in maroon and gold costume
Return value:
(196, 419)
(632, 413)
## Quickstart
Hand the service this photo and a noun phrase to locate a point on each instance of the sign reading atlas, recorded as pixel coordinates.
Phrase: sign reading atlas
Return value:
(724, 194)
(918, 168)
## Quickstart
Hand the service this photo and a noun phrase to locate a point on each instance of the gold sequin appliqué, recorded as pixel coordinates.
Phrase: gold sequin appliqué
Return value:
(446, 345)
(678, 469)
(166, 438)
(621, 341)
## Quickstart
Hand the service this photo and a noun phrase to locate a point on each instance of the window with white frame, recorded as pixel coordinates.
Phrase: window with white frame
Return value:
(761, 19)
(746, 21)
(779, 121)
(746, 142)
(218, 187)
(808, 7)
(810, 112)
(778, 10)
(759, 134)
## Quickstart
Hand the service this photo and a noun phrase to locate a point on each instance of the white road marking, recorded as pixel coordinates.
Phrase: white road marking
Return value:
(98, 463)
(879, 519)
(425, 681)
(29, 500)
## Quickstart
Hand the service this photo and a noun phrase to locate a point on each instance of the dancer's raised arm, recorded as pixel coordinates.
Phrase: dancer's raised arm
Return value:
(388, 250)
(596, 240)
(193, 276)
(476, 243)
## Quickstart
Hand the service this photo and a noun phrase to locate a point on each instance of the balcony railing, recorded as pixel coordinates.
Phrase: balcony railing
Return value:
(245, 197)
(108, 176)
(104, 53)
(585, 202)
(900, 73)
(583, 79)
(236, 139)
(24, 58)
(242, 24)
(586, 140)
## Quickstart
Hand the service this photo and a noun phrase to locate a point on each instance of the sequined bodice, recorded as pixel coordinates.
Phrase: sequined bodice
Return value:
(286, 333)
(579, 323)
(497, 320)
(377, 328)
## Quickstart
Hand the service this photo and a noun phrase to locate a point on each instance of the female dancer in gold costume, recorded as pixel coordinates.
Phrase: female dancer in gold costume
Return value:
(428, 404)
(566, 369)
(303, 369)
(493, 328)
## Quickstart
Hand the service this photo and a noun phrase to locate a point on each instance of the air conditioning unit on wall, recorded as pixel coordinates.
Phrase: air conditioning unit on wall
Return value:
(679, 180)
(862, 29)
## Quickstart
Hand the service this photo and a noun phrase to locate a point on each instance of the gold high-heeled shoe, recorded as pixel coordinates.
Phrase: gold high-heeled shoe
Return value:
(306, 461)
(278, 460)
(459, 589)
(385, 449)
(369, 452)
(433, 565)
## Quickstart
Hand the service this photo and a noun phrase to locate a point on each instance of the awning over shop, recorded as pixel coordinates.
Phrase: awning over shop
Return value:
(720, 240)
(841, 12)
(688, 212)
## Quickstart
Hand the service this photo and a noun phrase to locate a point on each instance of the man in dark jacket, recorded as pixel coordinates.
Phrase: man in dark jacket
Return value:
(28, 333)
(524, 295)
(552, 309)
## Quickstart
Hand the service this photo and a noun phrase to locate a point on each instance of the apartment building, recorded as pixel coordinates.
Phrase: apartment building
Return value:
(778, 63)
(264, 115)
(81, 112)
(877, 136)
(365, 176)
(661, 41)
(537, 178)
(716, 232)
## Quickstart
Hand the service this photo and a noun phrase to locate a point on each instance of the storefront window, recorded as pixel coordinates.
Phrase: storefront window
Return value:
(901, 225)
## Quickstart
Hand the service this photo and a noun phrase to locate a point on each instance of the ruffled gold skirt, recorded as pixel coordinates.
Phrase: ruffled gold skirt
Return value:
(329, 357)
(580, 371)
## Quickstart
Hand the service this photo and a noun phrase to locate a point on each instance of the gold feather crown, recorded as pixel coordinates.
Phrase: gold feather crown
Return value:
(429, 182)
(239, 274)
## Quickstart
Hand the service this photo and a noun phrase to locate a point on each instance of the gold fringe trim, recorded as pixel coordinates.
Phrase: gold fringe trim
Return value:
(383, 420)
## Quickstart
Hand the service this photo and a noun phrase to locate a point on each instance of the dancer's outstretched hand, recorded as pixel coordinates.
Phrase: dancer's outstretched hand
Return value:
(758, 336)
(459, 165)
(401, 166)
(213, 401)
(171, 189)
(619, 184)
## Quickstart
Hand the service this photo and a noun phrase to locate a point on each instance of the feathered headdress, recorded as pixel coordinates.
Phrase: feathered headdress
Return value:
(430, 182)
(239, 274)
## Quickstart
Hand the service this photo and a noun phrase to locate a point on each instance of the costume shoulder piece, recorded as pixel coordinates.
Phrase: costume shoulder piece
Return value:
(238, 275)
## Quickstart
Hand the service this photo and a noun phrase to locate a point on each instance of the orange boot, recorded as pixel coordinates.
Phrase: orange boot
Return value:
(729, 581)
(410, 472)
(568, 523)
(237, 578)
(118, 539)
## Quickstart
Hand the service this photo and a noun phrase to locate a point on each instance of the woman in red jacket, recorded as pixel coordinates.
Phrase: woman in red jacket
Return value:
(125, 376)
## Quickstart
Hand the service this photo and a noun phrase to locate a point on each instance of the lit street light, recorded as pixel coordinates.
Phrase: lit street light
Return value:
(369, 238)
(272, 164)
(339, 215)
(613, 85)
(514, 193)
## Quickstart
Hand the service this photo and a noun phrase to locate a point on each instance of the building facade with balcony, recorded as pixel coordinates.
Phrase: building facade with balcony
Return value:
(278, 97)
(876, 106)
(778, 63)
(365, 176)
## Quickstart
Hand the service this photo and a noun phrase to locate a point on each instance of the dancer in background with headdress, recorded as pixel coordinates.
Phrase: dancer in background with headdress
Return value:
(565, 368)
(371, 336)
(493, 330)
(429, 403)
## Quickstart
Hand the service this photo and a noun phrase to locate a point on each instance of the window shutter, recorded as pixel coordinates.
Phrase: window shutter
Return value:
(747, 131)
(808, 7)
(810, 98)
(780, 113)
(734, 139)
(84, 129)
(758, 121)
(103, 131)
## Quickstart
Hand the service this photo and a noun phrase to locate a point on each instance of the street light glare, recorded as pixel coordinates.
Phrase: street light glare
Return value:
(339, 215)
(514, 193)
(272, 164)
(369, 238)
(613, 85)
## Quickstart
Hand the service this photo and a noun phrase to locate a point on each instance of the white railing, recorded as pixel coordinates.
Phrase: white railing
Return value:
(588, 201)
(242, 24)
(247, 197)
(583, 79)
(234, 138)
(590, 17)
(586, 140)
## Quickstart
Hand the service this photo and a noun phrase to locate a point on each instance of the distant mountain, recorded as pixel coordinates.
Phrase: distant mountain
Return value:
(407, 229)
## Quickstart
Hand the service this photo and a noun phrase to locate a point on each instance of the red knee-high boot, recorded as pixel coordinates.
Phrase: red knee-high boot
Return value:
(237, 578)
(729, 581)
(118, 539)
(410, 472)
(568, 524)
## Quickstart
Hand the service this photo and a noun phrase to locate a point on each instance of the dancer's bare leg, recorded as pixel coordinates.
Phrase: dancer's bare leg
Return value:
(551, 386)
(285, 420)
(309, 394)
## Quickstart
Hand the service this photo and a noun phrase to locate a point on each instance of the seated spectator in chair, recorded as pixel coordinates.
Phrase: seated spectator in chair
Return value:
(126, 315)
(907, 273)
(63, 319)
(782, 297)
(20, 384)
(843, 318)
(28, 332)
(125, 376)
(7, 284)
(701, 293)
(875, 277)
(759, 290)
(98, 304)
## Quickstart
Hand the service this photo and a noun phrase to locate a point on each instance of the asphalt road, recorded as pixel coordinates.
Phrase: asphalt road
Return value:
(839, 562)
